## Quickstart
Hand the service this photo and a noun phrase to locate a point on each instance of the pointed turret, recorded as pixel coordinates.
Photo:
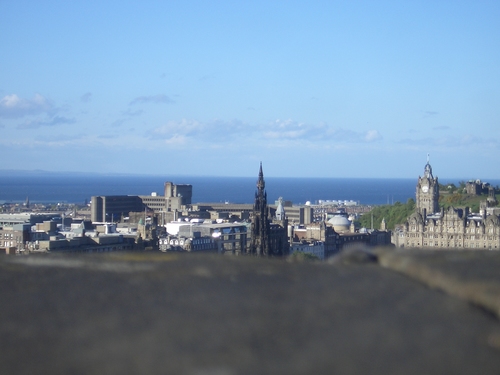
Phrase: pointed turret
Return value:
(383, 224)
(428, 169)
(280, 210)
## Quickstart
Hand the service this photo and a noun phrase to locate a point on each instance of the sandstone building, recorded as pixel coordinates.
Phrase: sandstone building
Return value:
(432, 227)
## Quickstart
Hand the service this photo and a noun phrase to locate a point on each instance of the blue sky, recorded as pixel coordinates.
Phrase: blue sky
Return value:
(310, 88)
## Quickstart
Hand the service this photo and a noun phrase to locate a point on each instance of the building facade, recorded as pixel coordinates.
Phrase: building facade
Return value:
(456, 228)
(177, 195)
(114, 207)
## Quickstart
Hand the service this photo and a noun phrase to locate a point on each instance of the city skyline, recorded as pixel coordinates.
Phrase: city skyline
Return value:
(316, 89)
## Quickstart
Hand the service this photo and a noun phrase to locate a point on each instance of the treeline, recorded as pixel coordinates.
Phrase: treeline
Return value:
(393, 214)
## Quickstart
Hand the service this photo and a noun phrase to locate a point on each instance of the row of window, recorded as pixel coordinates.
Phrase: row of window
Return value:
(466, 237)
(456, 230)
(472, 245)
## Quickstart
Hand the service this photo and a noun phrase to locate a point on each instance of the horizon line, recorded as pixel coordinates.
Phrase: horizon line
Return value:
(135, 174)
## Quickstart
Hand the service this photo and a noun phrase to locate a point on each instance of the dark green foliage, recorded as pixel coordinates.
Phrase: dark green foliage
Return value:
(393, 214)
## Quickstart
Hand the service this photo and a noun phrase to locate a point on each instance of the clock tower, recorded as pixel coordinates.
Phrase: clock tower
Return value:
(427, 192)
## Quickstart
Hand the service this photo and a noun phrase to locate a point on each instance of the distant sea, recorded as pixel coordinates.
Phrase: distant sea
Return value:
(79, 188)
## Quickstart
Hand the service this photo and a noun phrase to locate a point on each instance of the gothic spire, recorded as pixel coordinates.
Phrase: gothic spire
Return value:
(260, 244)
(260, 183)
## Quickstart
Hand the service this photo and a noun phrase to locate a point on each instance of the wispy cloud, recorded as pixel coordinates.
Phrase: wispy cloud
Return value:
(131, 113)
(372, 136)
(430, 114)
(118, 123)
(87, 97)
(215, 130)
(467, 140)
(290, 129)
(56, 120)
(156, 99)
(12, 106)
(61, 137)
(276, 131)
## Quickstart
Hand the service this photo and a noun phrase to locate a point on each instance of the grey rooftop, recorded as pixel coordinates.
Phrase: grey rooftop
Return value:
(386, 312)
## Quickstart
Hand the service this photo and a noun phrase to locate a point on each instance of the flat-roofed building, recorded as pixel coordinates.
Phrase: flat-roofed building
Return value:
(32, 218)
(300, 214)
(114, 207)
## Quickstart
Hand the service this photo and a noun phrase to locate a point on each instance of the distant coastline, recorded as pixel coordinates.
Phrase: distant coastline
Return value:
(79, 187)
(41, 172)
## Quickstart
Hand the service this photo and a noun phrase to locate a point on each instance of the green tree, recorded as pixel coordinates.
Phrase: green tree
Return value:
(393, 214)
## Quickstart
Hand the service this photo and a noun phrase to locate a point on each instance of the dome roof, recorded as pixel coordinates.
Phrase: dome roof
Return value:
(340, 223)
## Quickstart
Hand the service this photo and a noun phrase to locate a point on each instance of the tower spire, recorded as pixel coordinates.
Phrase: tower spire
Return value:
(260, 244)
(260, 182)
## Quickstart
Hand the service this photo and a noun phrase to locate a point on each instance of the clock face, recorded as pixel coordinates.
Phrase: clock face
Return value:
(425, 188)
